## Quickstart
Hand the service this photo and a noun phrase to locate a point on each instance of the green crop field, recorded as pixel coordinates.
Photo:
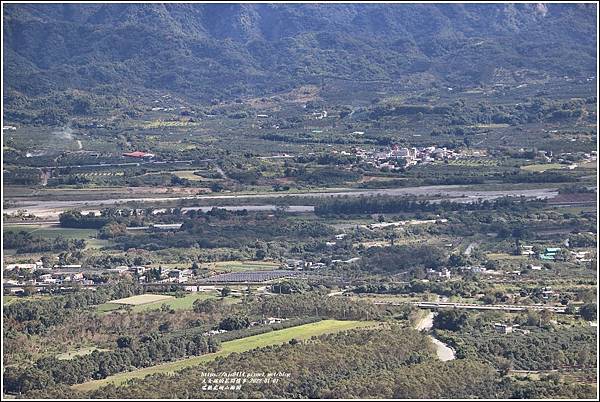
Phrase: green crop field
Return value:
(51, 231)
(9, 299)
(177, 303)
(236, 346)
(108, 307)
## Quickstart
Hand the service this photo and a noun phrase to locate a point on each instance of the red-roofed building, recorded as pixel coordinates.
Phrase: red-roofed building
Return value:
(138, 154)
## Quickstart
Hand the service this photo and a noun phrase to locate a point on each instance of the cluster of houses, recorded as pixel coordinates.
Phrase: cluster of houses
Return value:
(396, 157)
(502, 328)
(264, 321)
(548, 254)
(443, 274)
(320, 115)
(164, 275)
(299, 264)
(68, 275)
(581, 256)
(56, 275)
(554, 254)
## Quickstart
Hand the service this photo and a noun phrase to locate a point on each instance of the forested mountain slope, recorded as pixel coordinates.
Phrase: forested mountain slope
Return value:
(208, 51)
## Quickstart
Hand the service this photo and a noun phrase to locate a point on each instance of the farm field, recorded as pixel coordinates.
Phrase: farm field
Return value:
(241, 266)
(504, 256)
(301, 332)
(97, 243)
(142, 299)
(78, 352)
(188, 174)
(107, 307)
(176, 303)
(8, 299)
(52, 231)
(542, 167)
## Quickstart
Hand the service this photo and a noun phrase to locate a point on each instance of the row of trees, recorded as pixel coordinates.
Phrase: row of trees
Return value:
(388, 204)
(313, 304)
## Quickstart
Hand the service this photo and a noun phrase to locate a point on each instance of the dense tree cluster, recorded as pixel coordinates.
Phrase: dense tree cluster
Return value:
(387, 204)
(321, 368)
(149, 350)
(404, 258)
(35, 316)
(313, 304)
(25, 242)
(539, 349)
(75, 219)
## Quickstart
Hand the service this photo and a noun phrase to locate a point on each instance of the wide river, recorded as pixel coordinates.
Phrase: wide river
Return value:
(52, 208)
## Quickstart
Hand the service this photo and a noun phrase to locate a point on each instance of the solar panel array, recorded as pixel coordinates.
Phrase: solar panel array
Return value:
(253, 276)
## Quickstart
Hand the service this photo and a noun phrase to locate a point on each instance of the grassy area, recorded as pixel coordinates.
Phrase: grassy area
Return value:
(589, 165)
(236, 346)
(142, 299)
(78, 352)
(98, 243)
(108, 307)
(503, 256)
(541, 167)
(187, 174)
(177, 303)
(244, 265)
(9, 299)
(52, 231)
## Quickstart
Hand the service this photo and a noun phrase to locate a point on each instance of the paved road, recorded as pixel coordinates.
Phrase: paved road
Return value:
(46, 208)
